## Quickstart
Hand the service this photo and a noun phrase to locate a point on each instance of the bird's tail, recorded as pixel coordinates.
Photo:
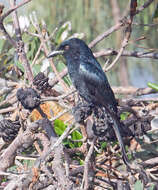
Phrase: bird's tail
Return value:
(116, 127)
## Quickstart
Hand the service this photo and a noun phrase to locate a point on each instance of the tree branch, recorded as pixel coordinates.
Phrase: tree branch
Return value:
(117, 26)
(111, 52)
(19, 43)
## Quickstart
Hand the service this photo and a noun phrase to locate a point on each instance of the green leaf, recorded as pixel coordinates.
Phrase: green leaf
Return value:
(155, 15)
(28, 163)
(71, 144)
(124, 115)
(59, 126)
(81, 162)
(64, 28)
(103, 145)
(153, 86)
(58, 36)
(20, 66)
(76, 135)
(138, 185)
(33, 45)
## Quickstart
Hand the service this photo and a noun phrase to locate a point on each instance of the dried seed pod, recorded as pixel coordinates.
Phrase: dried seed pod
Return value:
(41, 82)
(9, 130)
(29, 98)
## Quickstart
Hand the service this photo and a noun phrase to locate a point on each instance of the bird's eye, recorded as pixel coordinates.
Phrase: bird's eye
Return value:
(66, 47)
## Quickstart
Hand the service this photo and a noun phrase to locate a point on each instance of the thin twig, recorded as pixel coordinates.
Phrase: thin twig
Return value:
(37, 54)
(2, 28)
(117, 26)
(20, 44)
(57, 98)
(55, 80)
(105, 34)
(111, 52)
(46, 51)
(124, 42)
(86, 177)
(8, 156)
(146, 4)
(14, 8)
(59, 115)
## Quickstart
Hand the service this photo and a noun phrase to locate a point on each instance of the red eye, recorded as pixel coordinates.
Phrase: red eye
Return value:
(66, 47)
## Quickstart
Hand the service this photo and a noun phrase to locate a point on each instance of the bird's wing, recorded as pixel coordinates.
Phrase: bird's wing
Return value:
(97, 84)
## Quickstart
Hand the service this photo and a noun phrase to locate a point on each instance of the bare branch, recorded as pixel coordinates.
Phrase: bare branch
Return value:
(146, 4)
(125, 40)
(46, 51)
(117, 26)
(111, 52)
(86, 178)
(106, 34)
(59, 97)
(132, 90)
(19, 43)
(2, 17)
(61, 75)
(14, 8)
(5, 33)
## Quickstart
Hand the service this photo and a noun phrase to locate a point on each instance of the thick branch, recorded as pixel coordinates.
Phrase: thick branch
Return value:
(132, 90)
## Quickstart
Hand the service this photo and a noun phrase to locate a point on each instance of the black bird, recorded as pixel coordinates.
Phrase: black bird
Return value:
(90, 80)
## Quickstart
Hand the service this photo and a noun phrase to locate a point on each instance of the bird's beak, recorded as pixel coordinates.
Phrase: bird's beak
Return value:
(55, 53)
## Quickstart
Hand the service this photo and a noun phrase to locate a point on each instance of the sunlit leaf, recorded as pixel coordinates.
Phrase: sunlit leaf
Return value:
(124, 115)
(59, 126)
(153, 86)
(63, 32)
(76, 135)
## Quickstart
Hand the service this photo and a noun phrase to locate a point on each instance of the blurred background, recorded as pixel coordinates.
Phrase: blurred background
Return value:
(93, 17)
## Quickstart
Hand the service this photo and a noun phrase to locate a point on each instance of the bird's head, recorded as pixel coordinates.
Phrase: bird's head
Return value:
(73, 47)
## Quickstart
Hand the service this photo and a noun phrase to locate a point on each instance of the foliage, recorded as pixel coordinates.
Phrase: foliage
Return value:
(153, 86)
(60, 127)
(124, 115)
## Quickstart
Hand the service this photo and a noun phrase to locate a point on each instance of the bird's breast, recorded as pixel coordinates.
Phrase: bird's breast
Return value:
(73, 71)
